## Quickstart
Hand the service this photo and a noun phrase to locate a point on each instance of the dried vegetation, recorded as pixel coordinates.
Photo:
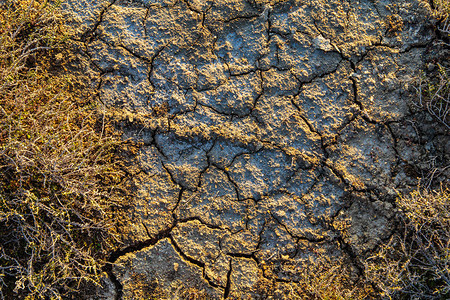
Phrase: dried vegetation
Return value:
(415, 262)
(58, 176)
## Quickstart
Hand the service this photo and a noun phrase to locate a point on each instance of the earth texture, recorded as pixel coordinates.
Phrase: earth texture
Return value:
(270, 134)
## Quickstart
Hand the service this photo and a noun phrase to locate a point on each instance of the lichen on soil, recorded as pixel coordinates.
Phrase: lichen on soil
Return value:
(262, 126)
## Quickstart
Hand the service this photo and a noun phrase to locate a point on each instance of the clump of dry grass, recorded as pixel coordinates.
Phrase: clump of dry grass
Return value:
(56, 163)
(320, 278)
(415, 263)
(434, 95)
(331, 281)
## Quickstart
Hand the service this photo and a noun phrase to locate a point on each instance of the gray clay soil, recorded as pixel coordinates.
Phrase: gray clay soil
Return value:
(262, 126)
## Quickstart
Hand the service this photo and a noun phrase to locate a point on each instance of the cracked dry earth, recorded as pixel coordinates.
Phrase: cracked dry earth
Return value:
(271, 133)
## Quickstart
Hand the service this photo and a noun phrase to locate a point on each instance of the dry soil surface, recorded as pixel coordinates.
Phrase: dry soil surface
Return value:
(271, 133)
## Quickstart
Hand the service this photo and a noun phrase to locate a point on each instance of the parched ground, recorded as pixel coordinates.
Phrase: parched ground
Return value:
(271, 133)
